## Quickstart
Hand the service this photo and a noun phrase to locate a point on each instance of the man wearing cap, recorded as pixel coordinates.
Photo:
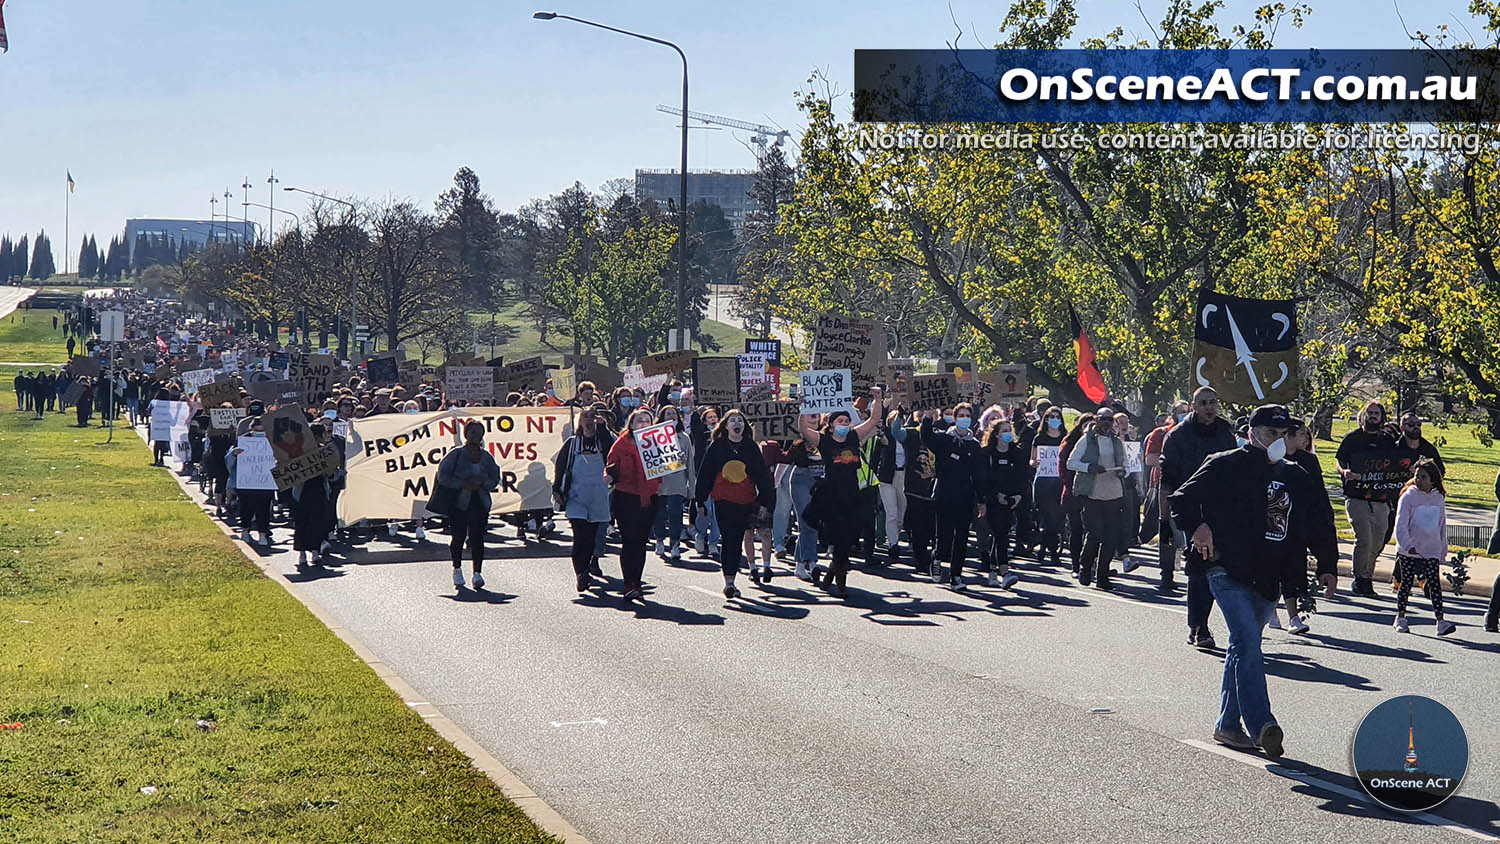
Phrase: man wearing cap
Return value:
(1250, 512)
(382, 403)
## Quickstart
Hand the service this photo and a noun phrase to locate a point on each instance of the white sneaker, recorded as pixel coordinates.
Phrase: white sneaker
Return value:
(458, 578)
(390, 529)
(661, 548)
(992, 580)
(1131, 564)
(478, 580)
(1009, 581)
(801, 572)
(1275, 621)
(245, 537)
(1445, 627)
(677, 551)
(1400, 625)
(1299, 626)
(265, 538)
(421, 533)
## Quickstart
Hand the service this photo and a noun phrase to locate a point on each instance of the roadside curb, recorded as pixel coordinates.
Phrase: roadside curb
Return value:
(510, 785)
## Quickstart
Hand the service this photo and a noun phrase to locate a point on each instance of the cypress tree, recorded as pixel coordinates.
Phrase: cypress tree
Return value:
(21, 260)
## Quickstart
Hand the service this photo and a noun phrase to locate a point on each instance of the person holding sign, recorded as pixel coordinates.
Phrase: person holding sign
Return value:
(839, 445)
(1099, 463)
(1046, 488)
(734, 476)
(312, 516)
(960, 469)
(675, 489)
(254, 502)
(471, 471)
(1361, 454)
(633, 502)
(580, 492)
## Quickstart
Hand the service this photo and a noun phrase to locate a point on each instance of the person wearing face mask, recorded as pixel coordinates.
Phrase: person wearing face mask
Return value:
(1005, 485)
(312, 517)
(254, 504)
(1166, 548)
(960, 486)
(633, 502)
(839, 445)
(675, 489)
(1185, 448)
(1046, 487)
(1098, 461)
(1368, 504)
(735, 477)
(473, 472)
(705, 526)
(1299, 451)
(1252, 517)
(807, 470)
(580, 491)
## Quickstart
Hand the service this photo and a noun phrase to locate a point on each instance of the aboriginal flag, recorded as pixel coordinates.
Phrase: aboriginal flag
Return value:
(1089, 377)
(1246, 348)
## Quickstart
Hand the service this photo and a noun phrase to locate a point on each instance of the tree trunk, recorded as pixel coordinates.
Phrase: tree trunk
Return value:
(1322, 426)
(1494, 414)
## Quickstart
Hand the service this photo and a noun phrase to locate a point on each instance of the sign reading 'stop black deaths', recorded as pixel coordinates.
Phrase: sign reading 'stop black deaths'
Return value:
(1246, 348)
(1379, 473)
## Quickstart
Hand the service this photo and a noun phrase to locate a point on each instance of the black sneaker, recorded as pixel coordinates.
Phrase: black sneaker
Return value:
(731, 592)
(583, 583)
(1166, 587)
(1206, 640)
(1270, 740)
(1365, 587)
(755, 575)
(1192, 636)
(594, 568)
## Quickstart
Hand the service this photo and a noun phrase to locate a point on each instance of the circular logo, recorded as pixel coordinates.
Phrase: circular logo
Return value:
(1410, 753)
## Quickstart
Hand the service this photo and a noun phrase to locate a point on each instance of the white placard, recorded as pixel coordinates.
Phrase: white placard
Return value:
(167, 415)
(661, 453)
(112, 326)
(197, 378)
(1046, 461)
(826, 390)
(635, 379)
(229, 362)
(1132, 458)
(252, 469)
(341, 428)
(470, 383)
(225, 418)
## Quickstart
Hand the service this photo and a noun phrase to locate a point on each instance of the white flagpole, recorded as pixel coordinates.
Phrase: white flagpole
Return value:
(67, 223)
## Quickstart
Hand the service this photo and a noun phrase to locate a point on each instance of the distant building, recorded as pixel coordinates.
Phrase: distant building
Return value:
(728, 189)
(197, 232)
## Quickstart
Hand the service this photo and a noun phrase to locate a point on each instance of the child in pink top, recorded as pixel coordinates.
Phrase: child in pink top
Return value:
(1422, 541)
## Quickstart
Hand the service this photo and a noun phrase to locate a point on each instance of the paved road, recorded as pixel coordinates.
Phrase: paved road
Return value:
(11, 297)
(911, 714)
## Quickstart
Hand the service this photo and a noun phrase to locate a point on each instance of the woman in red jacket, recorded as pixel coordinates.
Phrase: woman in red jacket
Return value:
(633, 502)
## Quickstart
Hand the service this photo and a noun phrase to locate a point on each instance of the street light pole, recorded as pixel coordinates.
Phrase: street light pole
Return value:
(353, 319)
(682, 209)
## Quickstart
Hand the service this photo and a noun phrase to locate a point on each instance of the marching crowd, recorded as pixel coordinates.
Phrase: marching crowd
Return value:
(1238, 509)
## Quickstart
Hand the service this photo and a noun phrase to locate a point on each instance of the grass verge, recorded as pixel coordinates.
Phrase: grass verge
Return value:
(126, 616)
(28, 337)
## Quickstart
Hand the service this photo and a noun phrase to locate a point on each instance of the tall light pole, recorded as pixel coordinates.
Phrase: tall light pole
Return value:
(682, 208)
(353, 320)
(246, 209)
(271, 230)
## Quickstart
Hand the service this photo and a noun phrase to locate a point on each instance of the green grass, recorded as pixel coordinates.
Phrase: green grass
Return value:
(527, 342)
(1471, 467)
(28, 337)
(126, 616)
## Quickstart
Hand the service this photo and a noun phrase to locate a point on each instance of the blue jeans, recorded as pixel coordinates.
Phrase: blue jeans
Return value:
(1242, 694)
(708, 526)
(807, 537)
(669, 519)
(782, 515)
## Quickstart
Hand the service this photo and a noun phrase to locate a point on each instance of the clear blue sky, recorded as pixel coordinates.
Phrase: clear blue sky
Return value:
(155, 105)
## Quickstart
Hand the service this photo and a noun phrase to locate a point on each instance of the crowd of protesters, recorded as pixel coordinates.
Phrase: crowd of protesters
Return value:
(1238, 509)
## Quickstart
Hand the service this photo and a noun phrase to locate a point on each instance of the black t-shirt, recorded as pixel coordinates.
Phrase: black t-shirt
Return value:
(1366, 452)
(841, 462)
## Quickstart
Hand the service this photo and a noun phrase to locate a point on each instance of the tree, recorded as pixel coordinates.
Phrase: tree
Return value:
(764, 252)
(615, 299)
(20, 259)
(412, 283)
(470, 232)
(42, 266)
(85, 269)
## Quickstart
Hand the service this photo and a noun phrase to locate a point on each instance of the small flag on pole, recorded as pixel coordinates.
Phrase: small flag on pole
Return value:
(4, 44)
(1090, 379)
(71, 186)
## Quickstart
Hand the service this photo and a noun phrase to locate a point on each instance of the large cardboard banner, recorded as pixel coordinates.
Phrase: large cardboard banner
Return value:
(586, 368)
(523, 375)
(661, 453)
(321, 461)
(86, 366)
(289, 432)
(470, 383)
(933, 392)
(167, 416)
(565, 383)
(217, 392)
(1009, 380)
(773, 420)
(667, 363)
(826, 390)
(857, 345)
(716, 380)
(392, 460)
(636, 379)
(252, 469)
(313, 375)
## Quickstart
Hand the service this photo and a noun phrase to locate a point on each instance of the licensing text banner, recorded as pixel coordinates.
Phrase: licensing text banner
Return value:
(1172, 86)
(392, 459)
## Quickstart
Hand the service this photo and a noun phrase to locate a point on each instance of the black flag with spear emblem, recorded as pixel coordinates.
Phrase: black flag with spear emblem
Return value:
(1246, 348)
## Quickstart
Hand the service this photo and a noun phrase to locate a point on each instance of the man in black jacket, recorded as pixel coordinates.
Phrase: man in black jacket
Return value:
(1250, 513)
(1182, 453)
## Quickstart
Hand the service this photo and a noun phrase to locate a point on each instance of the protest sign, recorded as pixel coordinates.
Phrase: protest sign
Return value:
(716, 380)
(85, 365)
(230, 362)
(341, 428)
(278, 361)
(1132, 458)
(392, 459)
(134, 360)
(225, 418)
(1009, 380)
(565, 383)
(383, 370)
(287, 429)
(1047, 461)
(272, 391)
(826, 390)
(313, 376)
(1379, 473)
(770, 349)
(323, 460)
(636, 380)
(74, 392)
(523, 375)
(217, 392)
(166, 415)
(191, 381)
(773, 420)
(586, 368)
(661, 453)
(756, 383)
(857, 345)
(897, 375)
(962, 369)
(252, 468)
(667, 363)
(933, 392)
(470, 383)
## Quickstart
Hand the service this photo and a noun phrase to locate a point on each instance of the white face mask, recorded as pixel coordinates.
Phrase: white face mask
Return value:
(1276, 451)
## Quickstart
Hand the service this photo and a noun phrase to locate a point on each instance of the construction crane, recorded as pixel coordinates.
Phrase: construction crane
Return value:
(760, 134)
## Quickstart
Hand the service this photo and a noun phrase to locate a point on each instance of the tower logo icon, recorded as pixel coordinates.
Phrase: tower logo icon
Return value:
(1400, 778)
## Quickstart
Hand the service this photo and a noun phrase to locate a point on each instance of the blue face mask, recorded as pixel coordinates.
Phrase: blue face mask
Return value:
(1054, 423)
(628, 401)
(841, 430)
(963, 422)
(1006, 436)
(1182, 417)
(1240, 441)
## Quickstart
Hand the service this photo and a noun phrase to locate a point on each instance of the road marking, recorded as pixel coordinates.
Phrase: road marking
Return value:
(556, 724)
(1261, 763)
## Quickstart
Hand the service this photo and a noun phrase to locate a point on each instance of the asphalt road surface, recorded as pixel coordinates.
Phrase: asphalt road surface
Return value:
(1051, 713)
